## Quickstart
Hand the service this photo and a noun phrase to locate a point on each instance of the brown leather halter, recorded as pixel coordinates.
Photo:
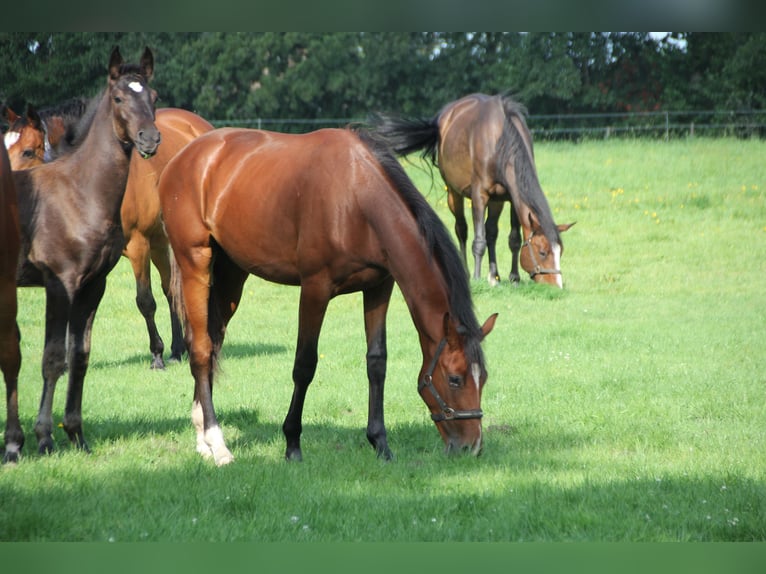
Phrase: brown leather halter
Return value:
(536, 268)
(448, 413)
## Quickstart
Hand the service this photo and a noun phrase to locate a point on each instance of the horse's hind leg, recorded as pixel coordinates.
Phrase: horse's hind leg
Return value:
(137, 251)
(315, 296)
(375, 308)
(455, 202)
(10, 364)
(514, 243)
(208, 311)
(54, 359)
(83, 312)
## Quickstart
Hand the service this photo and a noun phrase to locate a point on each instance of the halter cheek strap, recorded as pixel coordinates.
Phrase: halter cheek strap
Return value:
(448, 413)
(537, 269)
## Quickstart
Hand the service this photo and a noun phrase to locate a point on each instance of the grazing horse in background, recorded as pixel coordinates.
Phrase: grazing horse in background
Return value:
(10, 355)
(142, 225)
(71, 237)
(483, 149)
(145, 238)
(42, 136)
(333, 212)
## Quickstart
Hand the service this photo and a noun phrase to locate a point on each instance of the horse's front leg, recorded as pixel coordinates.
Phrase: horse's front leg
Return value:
(137, 252)
(376, 302)
(10, 364)
(160, 255)
(315, 295)
(494, 209)
(57, 306)
(479, 246)
(82, 314)
(514, 243)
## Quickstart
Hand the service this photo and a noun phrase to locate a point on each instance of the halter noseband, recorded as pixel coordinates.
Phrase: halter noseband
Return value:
(448, 413)
(536, 268)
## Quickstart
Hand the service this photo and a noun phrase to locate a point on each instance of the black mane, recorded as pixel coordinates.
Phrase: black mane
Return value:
(439, 241)
(511, 146)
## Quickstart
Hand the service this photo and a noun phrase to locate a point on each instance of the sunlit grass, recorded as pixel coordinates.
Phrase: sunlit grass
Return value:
(628, 406)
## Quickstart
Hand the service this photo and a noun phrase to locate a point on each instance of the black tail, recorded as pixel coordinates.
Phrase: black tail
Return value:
(407, 135)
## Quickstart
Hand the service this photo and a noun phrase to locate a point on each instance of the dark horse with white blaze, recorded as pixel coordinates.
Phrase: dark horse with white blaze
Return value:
(333, 212)
(71, 236)
(484, 151)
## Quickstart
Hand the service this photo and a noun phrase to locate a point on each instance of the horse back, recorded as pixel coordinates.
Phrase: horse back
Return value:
(282, 206)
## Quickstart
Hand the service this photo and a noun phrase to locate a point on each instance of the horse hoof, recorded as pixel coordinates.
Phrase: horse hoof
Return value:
(294, 455)
(158, 364)
(515, 279)
(11, 457)
(45, 447)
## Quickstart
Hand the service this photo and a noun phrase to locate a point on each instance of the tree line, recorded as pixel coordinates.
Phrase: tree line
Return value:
(231, 77)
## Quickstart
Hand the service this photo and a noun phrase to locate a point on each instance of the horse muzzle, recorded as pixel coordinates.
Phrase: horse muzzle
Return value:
(147, 143)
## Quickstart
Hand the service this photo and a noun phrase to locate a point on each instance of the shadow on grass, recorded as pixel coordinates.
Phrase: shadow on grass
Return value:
(233, 350)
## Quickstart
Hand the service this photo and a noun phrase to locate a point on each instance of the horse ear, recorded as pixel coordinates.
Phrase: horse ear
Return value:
(488, 325)
(33, 117)
(115, 61)
(147, 63)
(10, 115)
(450, 332)
(533, 224)
(565, 226)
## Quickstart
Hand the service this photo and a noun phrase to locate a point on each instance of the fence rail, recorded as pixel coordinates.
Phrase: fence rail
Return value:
(665, 124)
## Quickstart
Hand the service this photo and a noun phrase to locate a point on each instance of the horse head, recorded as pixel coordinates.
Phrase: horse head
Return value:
(540, 257)
(133, 102)
(25, 139)
(451, 386)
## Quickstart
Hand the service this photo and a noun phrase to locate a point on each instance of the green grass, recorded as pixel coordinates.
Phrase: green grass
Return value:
(628, 407)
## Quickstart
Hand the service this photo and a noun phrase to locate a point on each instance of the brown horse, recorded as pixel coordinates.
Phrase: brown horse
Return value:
(142, 225)
(10, 356)
(146, 242)
(42, 136)
(333, 212)
(71, 237)
(484, 152)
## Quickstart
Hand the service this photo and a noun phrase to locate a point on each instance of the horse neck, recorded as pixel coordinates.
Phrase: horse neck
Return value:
(106, 157)
(420, 281)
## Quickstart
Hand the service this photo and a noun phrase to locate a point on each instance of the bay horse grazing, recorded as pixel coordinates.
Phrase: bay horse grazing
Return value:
(71, 237)
(42, 136)
(484, 151)
(142, 225)
(145, 238)
(333, 212)
(10, 355)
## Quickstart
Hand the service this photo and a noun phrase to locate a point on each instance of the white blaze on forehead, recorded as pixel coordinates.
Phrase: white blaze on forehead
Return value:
(476, 374)
(136, 87)
(11, 138)
(557, 264)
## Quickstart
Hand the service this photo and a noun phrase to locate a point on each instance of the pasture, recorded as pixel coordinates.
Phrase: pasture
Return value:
(627, 407)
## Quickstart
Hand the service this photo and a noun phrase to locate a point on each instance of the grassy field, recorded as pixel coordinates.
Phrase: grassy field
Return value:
(627, 407)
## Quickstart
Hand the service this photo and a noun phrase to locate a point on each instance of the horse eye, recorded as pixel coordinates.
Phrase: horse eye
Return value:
(28, 153)
(117, 100)
(455, 381)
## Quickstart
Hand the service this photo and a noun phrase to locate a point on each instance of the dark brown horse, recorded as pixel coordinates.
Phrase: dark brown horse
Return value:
(146, 242)
(484, 152)
(71, 237)
(333, 212)
(10, 356)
